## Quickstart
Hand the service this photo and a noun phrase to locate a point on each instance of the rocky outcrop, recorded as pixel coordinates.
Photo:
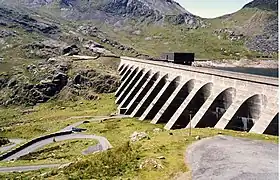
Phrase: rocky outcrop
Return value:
(228, 34)
(15, 18)
(263, 4)
(118, 11)
(50, 79)
(267, 42)
(5, 33)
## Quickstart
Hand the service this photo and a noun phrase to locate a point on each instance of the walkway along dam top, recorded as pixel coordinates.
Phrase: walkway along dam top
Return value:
(181, 96)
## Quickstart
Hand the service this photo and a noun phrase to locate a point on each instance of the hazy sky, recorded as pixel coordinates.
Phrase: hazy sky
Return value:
(212, 8)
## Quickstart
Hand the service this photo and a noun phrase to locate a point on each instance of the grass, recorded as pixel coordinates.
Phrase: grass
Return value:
(124, 160)
(50, 117)
(59, 152)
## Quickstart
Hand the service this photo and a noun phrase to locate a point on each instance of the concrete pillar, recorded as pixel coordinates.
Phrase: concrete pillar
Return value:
(126, 81)
(148, 97)
(121, 66)
(135, 89)
(126, 74)
(182, 108)
(160, 99)
(264, 121)
(166, 104)
(124, 70)
(204, 108)
(141, 93)
(126, 90)
(228, 115)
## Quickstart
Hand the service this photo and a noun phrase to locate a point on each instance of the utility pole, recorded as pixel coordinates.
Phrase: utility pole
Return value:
(190, 131)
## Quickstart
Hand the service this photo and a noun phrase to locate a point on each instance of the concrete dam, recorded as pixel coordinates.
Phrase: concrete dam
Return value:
(182, 96)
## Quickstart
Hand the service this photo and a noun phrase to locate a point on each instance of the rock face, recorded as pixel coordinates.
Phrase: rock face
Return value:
(118, 11)
(268, 41)
(50, 79)
(263, 4)
(12, 18)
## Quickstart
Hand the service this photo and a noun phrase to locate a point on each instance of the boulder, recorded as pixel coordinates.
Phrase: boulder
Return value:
(137, 136)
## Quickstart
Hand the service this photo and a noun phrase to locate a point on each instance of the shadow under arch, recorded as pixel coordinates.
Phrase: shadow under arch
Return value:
(152, 95)
(273, 127)
(164, 97)
(217, 108)
(135, 77)
(248, 113)
(193, 107)
(124, 69)
(136, 89)
(142, 93)
(122, 66)
(130, 73)
(177, 101)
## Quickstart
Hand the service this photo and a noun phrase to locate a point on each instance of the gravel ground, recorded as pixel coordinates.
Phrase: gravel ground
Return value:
(230, 158)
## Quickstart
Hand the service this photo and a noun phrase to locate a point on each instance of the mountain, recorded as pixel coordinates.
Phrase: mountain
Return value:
(270, 5)
(117, 11)
(257, 21)
(39, 37)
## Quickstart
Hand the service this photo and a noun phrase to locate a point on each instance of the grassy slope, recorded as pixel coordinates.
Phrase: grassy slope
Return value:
(123, 161)
(202, 41)
(51, 116)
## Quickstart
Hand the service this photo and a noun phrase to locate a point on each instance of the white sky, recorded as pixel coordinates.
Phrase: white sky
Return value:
(212, 8)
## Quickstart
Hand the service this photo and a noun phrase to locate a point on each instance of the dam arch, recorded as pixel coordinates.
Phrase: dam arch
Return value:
(152, 95)
(163, 98)
(217, 109)
(177, 101)
(248, 113)
(130, 74)
(194, 105)
(142, 93)
(133, 81)
(136, 89)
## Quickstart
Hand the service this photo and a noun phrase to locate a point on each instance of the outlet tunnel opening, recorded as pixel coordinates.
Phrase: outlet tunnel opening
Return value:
(217, 108)
(163, 98)
(130, 86)
(136, 89)
(151, 96)
(142, 94)
(273, 127)
(194, 106)
(248, 113)
(177, 101)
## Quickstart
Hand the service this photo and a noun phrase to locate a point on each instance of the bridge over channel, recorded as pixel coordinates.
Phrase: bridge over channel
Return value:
(181, 96)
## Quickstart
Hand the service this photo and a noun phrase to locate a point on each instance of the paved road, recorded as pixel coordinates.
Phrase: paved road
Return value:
(103, 142)
(27, 168)
(230, 158)
(97, 118)
(8, 147)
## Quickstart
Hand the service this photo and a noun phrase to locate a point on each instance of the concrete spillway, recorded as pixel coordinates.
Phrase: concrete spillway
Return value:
(181, 96)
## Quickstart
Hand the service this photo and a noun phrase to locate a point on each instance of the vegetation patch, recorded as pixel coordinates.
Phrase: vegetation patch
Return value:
(51, 117)
(59, 152)
(4, 141)
(159, 155)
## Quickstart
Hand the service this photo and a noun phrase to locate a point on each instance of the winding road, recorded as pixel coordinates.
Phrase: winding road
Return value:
(8, 147)
(102, 141)
(103, 145)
